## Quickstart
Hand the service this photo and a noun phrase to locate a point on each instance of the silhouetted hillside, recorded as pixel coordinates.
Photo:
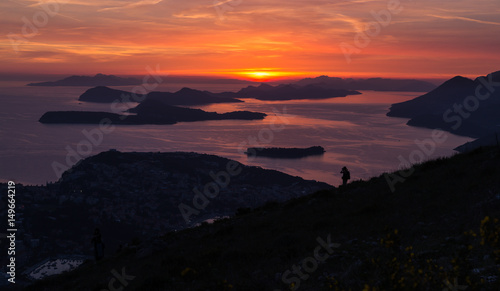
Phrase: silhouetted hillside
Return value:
(438, 231)
(135, 196)
(97, 80)
(436, 101)
(488, 140)
(460, 105)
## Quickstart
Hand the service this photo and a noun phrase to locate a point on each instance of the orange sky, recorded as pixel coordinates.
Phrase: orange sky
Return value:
(251, 38)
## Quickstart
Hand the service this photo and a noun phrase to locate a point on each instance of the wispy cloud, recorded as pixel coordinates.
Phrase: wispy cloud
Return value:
(132, 5)
(294, 35)
(194, 15)
(464, 19)
(356, 24)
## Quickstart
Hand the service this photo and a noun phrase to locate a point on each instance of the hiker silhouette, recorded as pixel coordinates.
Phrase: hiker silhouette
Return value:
(98, 245)
(346, 175)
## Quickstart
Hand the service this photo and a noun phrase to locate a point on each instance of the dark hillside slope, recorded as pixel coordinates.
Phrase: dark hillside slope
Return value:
(417, 238)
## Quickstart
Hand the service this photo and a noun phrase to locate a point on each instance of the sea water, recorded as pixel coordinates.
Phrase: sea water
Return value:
(354, 131)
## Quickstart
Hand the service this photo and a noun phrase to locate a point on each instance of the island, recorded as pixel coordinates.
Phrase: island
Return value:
(103, 94)
(189, 97)
(148, 112)
(183, 97)
(97, 80)
(288, 92)
(285, 153)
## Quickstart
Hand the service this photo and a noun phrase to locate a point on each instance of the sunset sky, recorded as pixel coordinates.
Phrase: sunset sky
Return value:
(251, 38)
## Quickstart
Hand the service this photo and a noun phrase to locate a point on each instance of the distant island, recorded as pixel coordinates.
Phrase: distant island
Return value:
(460, 105)
(288, 92)
(188, 96)
(158, 109)
(285, 153)
(324, 82)
(97, 80)
(322, 87)
(375, 84)
(148, 112)
(103, 94)
(184, 97)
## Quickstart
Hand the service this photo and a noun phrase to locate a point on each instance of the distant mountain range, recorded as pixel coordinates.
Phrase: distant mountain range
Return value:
(97, 80)
(460, 105)
(376, 84)
(323, 82)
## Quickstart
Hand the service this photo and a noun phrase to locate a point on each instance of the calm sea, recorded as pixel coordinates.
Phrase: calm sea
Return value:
(354, 131)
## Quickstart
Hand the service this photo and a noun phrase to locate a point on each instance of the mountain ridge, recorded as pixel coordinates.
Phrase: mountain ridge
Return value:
(460, 105)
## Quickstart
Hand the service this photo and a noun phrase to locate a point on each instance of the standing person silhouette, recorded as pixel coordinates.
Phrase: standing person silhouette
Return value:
(346, 175)
(98, 245)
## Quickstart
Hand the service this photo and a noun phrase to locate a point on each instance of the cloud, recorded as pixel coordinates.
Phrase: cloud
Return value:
(132, 5)
(464, 19)
(293, 35)
(194, 15)
(356, 24)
